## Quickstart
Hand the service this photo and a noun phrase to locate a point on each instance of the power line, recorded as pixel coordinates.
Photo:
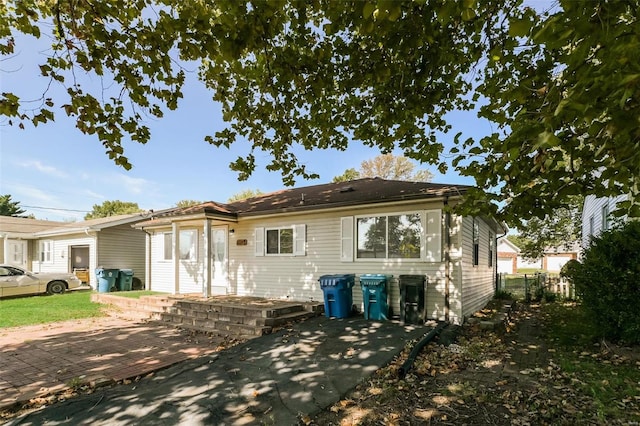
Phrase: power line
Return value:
(55, 208)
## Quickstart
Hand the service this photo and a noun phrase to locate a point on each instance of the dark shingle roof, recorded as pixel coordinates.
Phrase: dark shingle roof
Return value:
(351, 193)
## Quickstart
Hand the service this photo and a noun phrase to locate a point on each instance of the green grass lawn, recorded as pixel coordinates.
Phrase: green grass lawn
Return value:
(137, 293)
(46, 309)
(607, 373)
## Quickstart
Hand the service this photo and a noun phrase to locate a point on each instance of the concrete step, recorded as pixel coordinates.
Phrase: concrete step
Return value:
(212, 326)
(231, 317)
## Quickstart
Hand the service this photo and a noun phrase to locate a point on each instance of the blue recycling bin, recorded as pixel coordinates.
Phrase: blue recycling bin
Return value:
(125, 278)
(338, 296)
(107, 279)
(375, 296)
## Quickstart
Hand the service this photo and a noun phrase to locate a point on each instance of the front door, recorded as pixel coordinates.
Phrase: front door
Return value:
(219, 275)
(18, 253)
(80, 262)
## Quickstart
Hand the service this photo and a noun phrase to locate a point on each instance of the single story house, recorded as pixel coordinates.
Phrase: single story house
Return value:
(17, 234)
(278, 245)
(80, 247)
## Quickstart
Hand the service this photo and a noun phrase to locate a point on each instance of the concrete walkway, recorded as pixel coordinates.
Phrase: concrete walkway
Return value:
(274, 379)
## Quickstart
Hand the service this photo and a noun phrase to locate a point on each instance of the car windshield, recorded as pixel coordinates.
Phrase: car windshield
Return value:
(6, 271)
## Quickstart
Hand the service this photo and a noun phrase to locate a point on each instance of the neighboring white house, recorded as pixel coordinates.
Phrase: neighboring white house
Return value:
(510, 260)
(17, 234)
(278, 245)
(109, 242)
(596, 216)
(507, 256)
(555, 257)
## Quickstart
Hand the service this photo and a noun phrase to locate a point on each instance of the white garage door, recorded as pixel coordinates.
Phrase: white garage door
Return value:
(505, 266)
(555, 263)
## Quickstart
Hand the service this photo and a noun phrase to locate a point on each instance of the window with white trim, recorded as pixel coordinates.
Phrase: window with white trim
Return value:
(402, 235)
(168, 245)
(45, 250)
(476, 242)
(189, 244)
(280, 241)
(491, 248)
(605, 217)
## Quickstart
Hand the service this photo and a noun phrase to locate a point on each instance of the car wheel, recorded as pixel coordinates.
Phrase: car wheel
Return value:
(56, 287)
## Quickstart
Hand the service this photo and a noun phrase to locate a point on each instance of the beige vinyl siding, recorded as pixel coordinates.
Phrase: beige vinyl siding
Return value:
(122, 247)
(162, 276)
(477, 280)
(291, 277)
(296, 277)
(60, 254)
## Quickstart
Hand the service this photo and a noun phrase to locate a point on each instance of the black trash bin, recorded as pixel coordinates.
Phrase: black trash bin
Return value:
(375, 296)
(412, 298)
(338, 295)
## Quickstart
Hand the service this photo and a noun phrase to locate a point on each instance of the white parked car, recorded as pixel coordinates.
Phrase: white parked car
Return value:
(16, 281)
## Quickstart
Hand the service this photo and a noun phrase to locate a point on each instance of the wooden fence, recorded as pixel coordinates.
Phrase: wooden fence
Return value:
(534, 286)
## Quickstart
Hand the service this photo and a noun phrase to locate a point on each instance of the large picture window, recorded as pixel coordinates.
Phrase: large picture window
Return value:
(389, 236)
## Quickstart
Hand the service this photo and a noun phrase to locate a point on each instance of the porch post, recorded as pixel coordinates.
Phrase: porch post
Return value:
(6, 248)
(206, 290)
(175, 229)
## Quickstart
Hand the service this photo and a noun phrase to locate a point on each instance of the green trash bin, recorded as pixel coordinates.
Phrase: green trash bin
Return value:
(125, 278)
(106, 279)
(375, 296)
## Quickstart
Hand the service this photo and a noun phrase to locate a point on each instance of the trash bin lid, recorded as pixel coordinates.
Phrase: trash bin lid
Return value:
(337, 280)
(126, 271)
(374, 279)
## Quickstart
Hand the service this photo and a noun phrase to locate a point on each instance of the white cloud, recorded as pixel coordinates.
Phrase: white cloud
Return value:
(30, 195)
(92, 194)
(43, 168)
(132, 185)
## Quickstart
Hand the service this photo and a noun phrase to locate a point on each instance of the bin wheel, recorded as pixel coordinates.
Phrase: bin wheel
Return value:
(113, 288)
(136, 284)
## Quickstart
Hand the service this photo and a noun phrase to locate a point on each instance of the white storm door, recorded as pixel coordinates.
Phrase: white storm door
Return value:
(18, 253)
(219, 249)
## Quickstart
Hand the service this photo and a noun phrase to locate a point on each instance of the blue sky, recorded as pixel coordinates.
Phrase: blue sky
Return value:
(54, 170)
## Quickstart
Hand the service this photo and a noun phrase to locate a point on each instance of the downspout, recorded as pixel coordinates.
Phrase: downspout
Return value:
(447, 257)
(406, 366)
(5, 244)
(495, 263)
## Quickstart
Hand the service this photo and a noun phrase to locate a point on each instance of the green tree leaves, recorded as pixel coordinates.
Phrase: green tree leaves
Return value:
(112, 208)
(9, 207)
(561, 89)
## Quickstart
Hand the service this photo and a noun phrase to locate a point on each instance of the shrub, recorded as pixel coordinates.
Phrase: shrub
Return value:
(608, 282)
(503, 295)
